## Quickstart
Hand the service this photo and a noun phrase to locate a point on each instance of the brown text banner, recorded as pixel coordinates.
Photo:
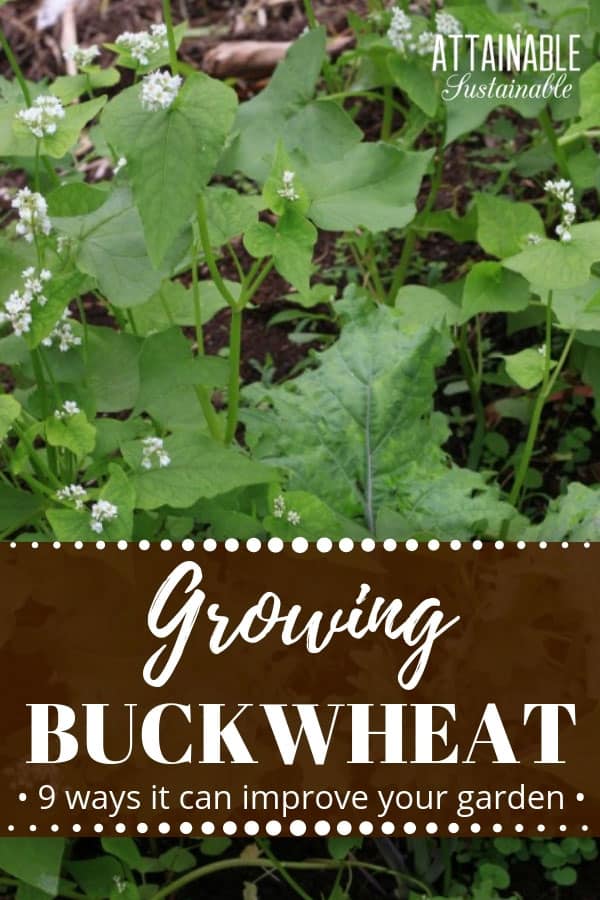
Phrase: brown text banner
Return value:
(400, 690)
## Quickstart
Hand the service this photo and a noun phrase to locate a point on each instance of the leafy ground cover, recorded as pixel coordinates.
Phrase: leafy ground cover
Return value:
(330, 303)
(149, 209)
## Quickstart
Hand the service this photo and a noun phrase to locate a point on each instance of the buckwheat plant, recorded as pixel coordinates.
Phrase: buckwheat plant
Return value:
(446, 24)
(32, 209)
(43, 116)
(153, 451)
(288, 191)
(82, 57)
(142, 45)
(159, 90)
(405, 37)
(62, 335)
(102, 512)
(73, 493)
(563, 191)
(17, 309)
(400, 32)
(69, 408)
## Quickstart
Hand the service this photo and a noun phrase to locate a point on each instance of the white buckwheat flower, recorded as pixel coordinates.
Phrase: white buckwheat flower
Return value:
(17, 312)
(68, 409)
(154, 448)
(143, 44)
(288, 191)
(42, 117)
(82, 56)
(159, 90)
(102, 511)
(400, 31)
(279, 511)
(63, 334)
(120, 884)
(17, 309)
(72, 493)
(562, 189)
(446, 24)
(120, 164)
(534, 239)
(34, 285)
(33, 214)
(425, 44)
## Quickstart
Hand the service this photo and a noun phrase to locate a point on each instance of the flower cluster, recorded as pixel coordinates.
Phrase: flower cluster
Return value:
(120, 884)
(33, 214)
(42, 117)
(400, 30)
(72, 493)
(288, 191)
(154, 448)
(141, 45)
(17, 309)
(159, 90)
(279, 511)
(564, 193)
(62, 334)
(82, 56)
(102, 511)
(68, 409)
(446, 24)
(402, 35)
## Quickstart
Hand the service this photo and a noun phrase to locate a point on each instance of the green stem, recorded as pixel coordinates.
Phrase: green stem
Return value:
(251, 290)
(267, 865)
(208, 410)
(209, 256)
(38, 371)
(411, 237)
(17, 72)
(235, 260)
(173, 61)
(197, 304)
(310, 14)
(408, 249)
(473, 377)
(36, 170)
(84, 324)
(548, 382)
(35, 458)
(373, 268)
(235, 352)
(559, 154)
(131, 320)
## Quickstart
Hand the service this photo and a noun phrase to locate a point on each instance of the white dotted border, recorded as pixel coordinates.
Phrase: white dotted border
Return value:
(301, 545)
(298, 828)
